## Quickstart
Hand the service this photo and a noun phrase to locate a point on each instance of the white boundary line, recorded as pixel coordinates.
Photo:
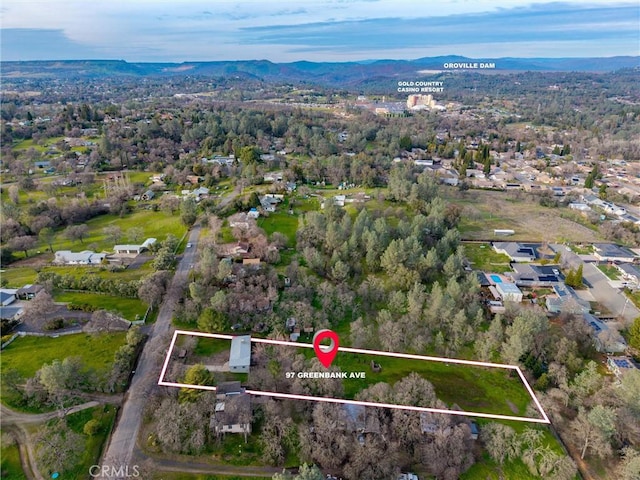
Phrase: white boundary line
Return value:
(544, 418)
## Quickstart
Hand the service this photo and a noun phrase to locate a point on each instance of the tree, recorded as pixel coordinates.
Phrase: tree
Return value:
(135, 234)
(195, 375)
(152, 288)
(164, 259)
(634, 334)
(525, 335)
(92, 427)
(77, 232)
(14, 194)
(57, 447)
(39, 308)
(211, 320)
(23, 243)
(113, 233)
(629, 467)
(188, 211)
(405, 142)
(60, 378)
(47, 235)
(306, 472)
(594, 429)
(249, 155)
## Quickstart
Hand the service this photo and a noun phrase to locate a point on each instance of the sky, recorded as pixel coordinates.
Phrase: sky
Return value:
(328, 30)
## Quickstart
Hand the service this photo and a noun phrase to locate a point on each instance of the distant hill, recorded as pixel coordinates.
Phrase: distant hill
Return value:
(328, 73)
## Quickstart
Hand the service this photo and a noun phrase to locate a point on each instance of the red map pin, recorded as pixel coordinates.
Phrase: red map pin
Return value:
(326, 354)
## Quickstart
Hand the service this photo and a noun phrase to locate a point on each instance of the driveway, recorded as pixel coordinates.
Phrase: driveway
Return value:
(611, 298)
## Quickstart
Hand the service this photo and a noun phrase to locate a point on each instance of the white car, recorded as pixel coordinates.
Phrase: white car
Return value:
(188, 245)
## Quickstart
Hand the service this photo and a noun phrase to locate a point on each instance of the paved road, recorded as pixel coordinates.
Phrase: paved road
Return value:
(612, 298)
(123, 439)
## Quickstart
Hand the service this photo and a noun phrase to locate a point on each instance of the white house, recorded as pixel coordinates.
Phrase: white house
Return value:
(240, 354)
(232, 415)
(86, 257)
(134, 249)
(509, 292)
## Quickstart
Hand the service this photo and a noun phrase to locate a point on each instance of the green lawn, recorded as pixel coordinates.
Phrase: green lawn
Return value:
(155, 224)
(283, 222)
(96, 351)
(127, 307)
(94, 445)
(483, 257)
(10, 467)
(18, 277)
(610, 271)
(473, 388)
(633, 296)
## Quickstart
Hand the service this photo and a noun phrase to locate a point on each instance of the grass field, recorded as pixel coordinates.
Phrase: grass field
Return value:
(10, 467)
(484, 211)
(96, 351)
(281, 221)
(127, 307)
(19, 276)
(155, 224)
(483, 257)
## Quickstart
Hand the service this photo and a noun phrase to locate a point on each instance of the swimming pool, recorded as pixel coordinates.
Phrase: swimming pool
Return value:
(496, 279)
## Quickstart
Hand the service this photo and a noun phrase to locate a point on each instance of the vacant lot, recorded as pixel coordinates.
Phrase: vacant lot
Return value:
(484, 211)
(129, 308)
(96, 351)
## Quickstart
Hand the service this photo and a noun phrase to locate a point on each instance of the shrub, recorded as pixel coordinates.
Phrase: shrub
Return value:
(92, 427)
(55, 324)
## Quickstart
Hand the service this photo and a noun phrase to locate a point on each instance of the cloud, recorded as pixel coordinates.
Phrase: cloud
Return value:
(39, 44)
(555, 22)
(162, 30)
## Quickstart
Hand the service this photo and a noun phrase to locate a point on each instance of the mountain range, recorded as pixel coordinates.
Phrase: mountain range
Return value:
(328, 73)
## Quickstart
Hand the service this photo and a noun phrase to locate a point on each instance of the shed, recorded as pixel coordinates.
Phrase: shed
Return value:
(240, 354)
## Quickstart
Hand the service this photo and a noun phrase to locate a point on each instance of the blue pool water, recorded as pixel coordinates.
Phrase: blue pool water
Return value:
(496, 278)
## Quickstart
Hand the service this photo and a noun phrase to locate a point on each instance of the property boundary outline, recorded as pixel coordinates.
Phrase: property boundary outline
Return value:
(543, 420)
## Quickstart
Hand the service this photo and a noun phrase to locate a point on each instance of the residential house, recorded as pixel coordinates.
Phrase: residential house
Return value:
(620, 366)
(251, 263)
(630, 273)
(134, 249)
(270, 201)
(566, 300)
(240, 220)
(531, 275)
(253, 213)
(227, 389)
(232, 415)
(11, 313)
(240, 354)
(86, 257)
(232, 250)
(272, 177)
(515, 251)
(609, 252)
(7, 296)
(200, 193)
(605, 339)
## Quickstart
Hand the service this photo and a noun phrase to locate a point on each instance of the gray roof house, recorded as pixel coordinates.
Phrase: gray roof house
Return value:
(86, 257)
(240, 354)
(609, 252)
(515, 251)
